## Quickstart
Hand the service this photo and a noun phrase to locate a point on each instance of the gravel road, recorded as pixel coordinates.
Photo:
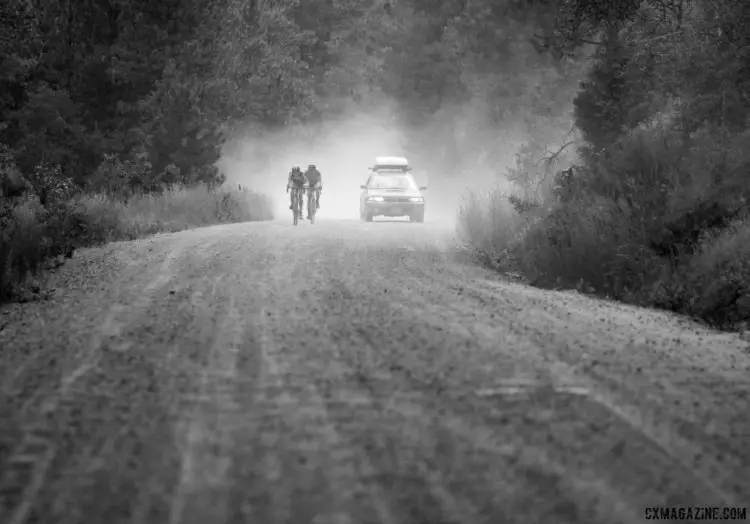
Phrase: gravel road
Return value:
(354, 373)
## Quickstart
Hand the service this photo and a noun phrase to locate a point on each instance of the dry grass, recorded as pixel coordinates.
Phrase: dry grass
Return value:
(171, 211)
(34, 234)
(492, 228)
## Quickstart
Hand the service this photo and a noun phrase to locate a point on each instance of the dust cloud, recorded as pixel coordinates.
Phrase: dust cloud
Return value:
(442, 154)
(342, 150)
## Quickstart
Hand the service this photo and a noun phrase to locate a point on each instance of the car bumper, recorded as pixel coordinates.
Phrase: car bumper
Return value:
(394, 209)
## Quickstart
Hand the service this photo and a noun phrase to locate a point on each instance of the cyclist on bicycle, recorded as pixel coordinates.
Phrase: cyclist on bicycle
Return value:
(297, 181)
(315, 184)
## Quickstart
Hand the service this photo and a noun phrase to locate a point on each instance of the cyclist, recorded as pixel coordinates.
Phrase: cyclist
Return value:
(297, 181)
(315, 185)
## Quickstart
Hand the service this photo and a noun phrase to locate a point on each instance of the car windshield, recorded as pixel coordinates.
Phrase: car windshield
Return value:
(393, 181)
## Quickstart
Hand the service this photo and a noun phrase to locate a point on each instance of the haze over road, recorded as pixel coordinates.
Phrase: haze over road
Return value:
(354, 373)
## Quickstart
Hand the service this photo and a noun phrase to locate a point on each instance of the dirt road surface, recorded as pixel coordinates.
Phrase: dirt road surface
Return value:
(354, 373)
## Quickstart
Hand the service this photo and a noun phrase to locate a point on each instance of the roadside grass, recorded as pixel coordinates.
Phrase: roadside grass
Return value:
(110, 219)
(33, 237)
(655, 224)
(492, 229)
(714, 284)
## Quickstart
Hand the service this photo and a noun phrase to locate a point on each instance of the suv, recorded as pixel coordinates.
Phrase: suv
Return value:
(391, 191)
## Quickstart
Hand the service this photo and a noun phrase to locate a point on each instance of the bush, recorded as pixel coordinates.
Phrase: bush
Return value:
(714, 191)
(23, 241)
(714, 284)
(643, 223)
(594, 233)
(108, 218)
(655, 214)
(492, 227)
(33, 233)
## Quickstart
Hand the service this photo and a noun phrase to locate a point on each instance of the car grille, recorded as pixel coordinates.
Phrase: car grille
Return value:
(396, 199)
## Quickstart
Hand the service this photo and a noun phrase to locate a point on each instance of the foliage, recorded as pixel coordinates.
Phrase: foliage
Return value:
(653, 212)
(167, 84)
(618, 129)
(37, 234)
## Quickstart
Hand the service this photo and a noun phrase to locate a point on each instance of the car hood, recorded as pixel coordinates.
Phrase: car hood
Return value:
(391, 192)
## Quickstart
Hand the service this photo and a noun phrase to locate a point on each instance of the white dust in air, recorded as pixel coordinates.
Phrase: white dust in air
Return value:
(342, 150)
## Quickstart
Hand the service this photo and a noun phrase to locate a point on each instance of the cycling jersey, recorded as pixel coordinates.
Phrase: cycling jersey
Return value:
(297, 179)
(313, 177)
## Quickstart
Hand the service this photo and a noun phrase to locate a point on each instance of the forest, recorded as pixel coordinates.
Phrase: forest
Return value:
(611, 135)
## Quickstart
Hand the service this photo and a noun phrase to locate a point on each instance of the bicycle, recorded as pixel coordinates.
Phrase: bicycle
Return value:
(297, 203)
(313, 194)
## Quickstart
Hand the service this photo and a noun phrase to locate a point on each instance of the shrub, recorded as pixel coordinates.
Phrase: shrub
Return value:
(109, 218)
(713, 193)
(644, 222)
(589, 243)
(714, 284)
(23, 241)
(124, 178)
(493, 226)
(33, 233)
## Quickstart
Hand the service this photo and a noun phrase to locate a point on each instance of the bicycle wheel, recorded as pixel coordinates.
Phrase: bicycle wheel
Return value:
(295, 208)
(312, 208)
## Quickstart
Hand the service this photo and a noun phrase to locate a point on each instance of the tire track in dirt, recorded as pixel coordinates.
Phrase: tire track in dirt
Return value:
(662, 437)
(509, 460)
(67, 413)
(576, 483)
(202, 494)
(125, 442)
(450, 508)
(345, 466)
(309, 415)
(315, 378)
(429, 482)
(517, 468)
(653, 422)
(162, 342)
(31, 461)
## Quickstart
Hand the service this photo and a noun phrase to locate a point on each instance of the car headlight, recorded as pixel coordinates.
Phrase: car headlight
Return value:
(416, 199)
(375, 199)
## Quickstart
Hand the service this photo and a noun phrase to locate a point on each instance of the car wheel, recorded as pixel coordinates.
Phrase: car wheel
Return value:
(368, 216)
(417, 217)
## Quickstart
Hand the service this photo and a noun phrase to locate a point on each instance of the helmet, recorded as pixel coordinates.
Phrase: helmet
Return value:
(311, 166)
(295, 169)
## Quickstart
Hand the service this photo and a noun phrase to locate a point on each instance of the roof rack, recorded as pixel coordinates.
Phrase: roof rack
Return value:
(391, 162)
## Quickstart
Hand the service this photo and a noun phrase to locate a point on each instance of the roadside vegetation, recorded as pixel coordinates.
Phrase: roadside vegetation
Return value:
(36, 238)
(653, 210)
(112, 118)
(625, 126)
